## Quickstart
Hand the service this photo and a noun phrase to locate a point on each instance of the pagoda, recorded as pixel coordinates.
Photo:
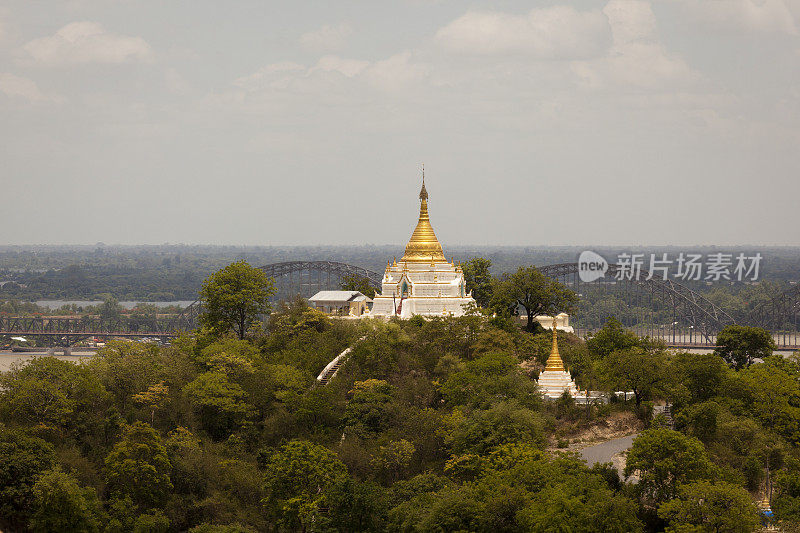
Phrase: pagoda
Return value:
(423, 282)
(555, 380)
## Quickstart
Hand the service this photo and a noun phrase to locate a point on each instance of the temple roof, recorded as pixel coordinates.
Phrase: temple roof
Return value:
(423, 245)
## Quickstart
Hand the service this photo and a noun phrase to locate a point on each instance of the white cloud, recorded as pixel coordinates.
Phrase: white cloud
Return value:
(396, 71)
(637, 59)
(270, 75)
(558, 32)
(346, 67)
(87, 42)
(771, 16)
(327, 37)
(335, 73)
(18, 87)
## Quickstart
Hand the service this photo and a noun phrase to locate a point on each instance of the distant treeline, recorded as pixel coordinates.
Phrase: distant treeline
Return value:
(175, 272)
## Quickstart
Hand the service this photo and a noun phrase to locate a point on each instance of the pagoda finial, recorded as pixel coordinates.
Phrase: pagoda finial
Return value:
(423, 193)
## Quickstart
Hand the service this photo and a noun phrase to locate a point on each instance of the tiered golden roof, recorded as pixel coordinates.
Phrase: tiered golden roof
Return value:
(554, 362)
(423, 246)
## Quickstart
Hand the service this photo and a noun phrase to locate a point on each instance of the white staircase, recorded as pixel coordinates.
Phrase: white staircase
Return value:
(331, 368)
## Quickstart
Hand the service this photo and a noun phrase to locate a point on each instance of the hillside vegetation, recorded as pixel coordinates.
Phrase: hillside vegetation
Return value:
(431, 425)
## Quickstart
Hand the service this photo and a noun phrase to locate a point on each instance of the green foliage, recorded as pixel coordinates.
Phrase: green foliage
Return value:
(352, 505)
(233, 298)
(787, 484)
(641, 370)
(611, 338)
(534, 292)
(711, 507)
(138, 467)
(701, 375)
(664, 459)
(370, 408)
(478, 279)
(488, 379)
(51, 393)
(354, 282)
(23, 459)
(296, 477)
(431, 425)
(739, 346)
(485, 430)
(220, 403)
(62, 505)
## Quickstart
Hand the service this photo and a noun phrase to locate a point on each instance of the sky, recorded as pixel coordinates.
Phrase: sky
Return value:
(278, 123)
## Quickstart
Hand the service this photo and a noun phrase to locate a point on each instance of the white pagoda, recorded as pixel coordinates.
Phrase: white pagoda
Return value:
(423, 282)
(555, 380)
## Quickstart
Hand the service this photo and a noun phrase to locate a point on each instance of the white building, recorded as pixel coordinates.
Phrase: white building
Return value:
(350, 303)
(423, 282)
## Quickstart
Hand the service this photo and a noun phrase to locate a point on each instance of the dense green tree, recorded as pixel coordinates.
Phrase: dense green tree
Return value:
(370, 409)
(297, 475)
(664, 459)
(710, 507)
(484, 430)
(612, 337)
(62, 505)
(220, 403)
(701, 374)
(110, 309)
(52, 393)
(700, 420)
(138, 467)
(352, 505)
(478, 279)
(233, 298)
(786, 502)
(355, 282)
(741, 345)
(640, 370)
(534, 292)
(486, 380)
(774, 398)
(23, 460)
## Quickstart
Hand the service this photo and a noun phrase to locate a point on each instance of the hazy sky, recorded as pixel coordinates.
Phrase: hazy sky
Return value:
(627, 122)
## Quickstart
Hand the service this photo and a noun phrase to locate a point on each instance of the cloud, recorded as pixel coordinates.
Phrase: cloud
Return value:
(636, 59)
(768, 16)
(558, 32)
(327, 37)
(18, 87)
(346, 67)
(87, 42)
(331, 71)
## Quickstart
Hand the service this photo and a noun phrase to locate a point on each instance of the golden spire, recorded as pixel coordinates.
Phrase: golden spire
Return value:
(423, 245)
(554, 363)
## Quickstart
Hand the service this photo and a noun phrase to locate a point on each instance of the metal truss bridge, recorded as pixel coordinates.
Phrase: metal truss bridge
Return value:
(658, 308)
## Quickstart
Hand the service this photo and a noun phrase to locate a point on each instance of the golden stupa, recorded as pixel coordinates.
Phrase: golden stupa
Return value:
(555, 380)
(554, 362)
(423, 245)
(422, 282)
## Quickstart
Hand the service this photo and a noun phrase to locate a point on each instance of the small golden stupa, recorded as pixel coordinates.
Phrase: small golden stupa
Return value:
(555, 380)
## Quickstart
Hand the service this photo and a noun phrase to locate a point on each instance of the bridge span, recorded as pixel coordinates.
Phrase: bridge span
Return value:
(656, 308)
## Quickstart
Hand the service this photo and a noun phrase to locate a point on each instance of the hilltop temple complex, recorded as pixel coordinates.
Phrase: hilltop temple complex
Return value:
(423, 282)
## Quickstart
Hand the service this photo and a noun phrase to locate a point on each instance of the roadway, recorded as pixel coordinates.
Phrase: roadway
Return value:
(609, 451)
